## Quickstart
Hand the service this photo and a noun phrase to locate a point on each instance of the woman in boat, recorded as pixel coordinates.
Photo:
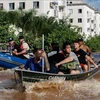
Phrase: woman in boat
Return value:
(82, 56)
(54, 57)
(70, 65)
(35, 64)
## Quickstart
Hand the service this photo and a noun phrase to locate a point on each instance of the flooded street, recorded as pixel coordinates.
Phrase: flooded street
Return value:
(49, 90)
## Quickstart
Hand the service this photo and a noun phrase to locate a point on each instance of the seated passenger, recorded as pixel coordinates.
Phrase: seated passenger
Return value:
(12, 47)
(23, 49)
(35, 64)
(54, 57)
(54, 49)
(70, 65)
(86, 49)
(82, 56)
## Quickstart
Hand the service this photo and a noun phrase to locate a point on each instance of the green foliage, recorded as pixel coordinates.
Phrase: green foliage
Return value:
(34, 26)
(94, 43)
(4, 26)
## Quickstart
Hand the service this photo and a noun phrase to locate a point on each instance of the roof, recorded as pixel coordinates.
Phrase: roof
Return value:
(82, 4)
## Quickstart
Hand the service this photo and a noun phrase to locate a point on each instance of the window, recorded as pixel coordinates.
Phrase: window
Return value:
(95, 26)
(61, 8)
(79, 20)
(1, 5)
(88, 29)
(22, 5)
(92, 21)
(51, 5)
(11, 6)
(36, 4)
(79, 10)
(70, 11)
(88, 13)
(92, 30)
(55, 12)
(71, 20)
(70, 2)
(88, 20)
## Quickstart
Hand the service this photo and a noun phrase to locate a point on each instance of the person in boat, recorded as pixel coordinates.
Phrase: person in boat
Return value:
(54, 57)
(70, 64)
(23, 49)
(12, 47)
(86, 49)
(82, 56)
(54, 49)
(35, 63)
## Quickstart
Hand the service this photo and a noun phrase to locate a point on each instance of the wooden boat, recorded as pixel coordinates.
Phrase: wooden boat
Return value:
(33, 76)
(8, 61)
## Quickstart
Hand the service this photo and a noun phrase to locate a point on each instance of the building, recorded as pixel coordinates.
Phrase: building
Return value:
(55, 8)
(78, 12)
(84, 16)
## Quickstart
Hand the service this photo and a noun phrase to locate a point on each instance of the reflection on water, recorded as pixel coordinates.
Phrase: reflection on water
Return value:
(57, 89)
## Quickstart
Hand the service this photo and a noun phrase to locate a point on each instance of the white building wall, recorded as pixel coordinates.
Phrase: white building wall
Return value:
(44, 6)
(97, 23)
(90, 19)
(87, 13)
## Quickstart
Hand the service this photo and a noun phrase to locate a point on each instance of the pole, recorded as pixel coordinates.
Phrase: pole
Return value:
(43, 49)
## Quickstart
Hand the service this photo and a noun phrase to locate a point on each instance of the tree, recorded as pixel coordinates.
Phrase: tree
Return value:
(94, 43)
(4, 27)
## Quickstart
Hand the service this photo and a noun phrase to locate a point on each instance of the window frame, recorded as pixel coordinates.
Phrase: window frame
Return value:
(11, 6)
(22, 5)
(36, 4)
(79, 20)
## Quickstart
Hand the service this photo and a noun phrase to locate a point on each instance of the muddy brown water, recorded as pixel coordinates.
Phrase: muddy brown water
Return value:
(49, 90)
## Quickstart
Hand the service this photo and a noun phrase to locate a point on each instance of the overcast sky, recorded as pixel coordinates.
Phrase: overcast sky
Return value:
(94, 3)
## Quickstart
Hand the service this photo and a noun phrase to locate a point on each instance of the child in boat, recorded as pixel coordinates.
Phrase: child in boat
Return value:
(82, 56)
(35, 63)
(70, 65)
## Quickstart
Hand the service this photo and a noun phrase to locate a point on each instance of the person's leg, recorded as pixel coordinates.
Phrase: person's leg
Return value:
(53, 69)
(88, 65)
(74, 72)
(85, 68)
(61, 73)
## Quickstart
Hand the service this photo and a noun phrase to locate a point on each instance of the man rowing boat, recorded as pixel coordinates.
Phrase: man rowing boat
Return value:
(35, 64)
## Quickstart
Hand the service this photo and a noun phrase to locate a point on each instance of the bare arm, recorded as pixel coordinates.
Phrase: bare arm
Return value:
(89, 51)
(25, 48)
(69, 59)
(91, 61)
(22, 52)
(47, 66)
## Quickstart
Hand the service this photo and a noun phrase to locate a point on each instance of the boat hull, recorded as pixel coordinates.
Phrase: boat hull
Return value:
(33, 76)
(8, 61)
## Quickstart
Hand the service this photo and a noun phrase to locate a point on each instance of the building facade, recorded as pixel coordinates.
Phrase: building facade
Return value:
(55, 8)
(78, 12)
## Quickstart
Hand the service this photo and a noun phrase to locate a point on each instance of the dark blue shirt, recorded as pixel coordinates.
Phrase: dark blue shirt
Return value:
(33, 66)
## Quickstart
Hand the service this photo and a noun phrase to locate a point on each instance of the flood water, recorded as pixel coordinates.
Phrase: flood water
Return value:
(49, 90)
